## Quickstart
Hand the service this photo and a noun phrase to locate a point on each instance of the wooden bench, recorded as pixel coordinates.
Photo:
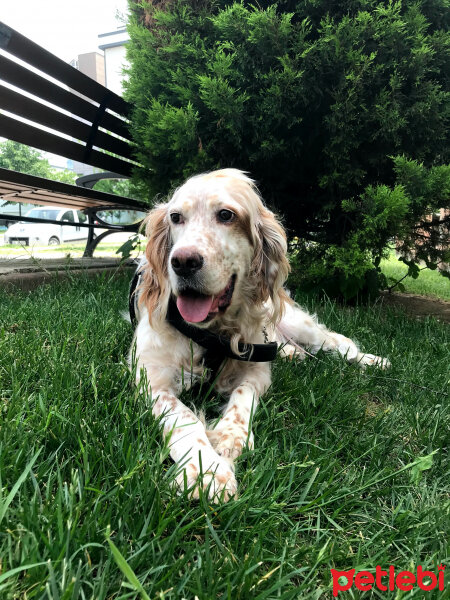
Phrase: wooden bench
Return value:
(82, 120)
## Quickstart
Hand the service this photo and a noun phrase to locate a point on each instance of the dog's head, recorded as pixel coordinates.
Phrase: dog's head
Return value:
(214, 245)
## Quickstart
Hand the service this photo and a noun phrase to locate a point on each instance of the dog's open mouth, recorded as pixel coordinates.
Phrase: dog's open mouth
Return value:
(195, 307)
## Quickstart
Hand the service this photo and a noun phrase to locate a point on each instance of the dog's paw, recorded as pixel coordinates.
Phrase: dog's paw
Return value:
(230, 441)
(370, 360)
(291, 352)
(215, 477)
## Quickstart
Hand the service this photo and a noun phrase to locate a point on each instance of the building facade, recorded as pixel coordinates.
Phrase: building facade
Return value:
(113, 45)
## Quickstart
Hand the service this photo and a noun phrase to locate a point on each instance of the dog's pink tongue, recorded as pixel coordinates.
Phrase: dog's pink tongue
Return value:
(194, 309)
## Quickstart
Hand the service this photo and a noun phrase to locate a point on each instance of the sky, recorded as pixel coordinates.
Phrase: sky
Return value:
(65, 28)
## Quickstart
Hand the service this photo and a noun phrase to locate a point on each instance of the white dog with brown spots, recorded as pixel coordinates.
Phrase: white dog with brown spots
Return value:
(220, 254)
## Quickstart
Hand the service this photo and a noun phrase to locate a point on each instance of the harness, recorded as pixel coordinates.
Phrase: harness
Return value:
(217, 347)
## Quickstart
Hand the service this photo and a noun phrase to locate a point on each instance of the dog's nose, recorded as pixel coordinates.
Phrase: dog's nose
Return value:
(186, 261)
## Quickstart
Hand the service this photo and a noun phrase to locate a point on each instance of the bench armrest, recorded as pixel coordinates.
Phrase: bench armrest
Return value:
(88, 181)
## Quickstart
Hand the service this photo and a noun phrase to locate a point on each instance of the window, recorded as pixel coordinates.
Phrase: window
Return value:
(43, 213)
(81, 216)
(68, 216)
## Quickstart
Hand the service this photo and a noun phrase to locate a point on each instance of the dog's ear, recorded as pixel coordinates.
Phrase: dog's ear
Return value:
(154, 284)
(270, 263)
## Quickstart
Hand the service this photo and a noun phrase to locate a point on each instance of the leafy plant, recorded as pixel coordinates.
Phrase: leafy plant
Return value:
(127, 248)
(337, 109)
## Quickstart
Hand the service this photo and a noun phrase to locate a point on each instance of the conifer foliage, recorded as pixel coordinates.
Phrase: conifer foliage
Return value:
(337, 109)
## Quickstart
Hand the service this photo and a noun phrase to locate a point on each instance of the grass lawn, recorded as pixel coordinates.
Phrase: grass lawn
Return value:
(429, 283)
(75, 250)
(337, 479)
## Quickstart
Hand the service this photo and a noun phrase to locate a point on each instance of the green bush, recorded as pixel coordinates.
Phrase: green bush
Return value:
(338, 110)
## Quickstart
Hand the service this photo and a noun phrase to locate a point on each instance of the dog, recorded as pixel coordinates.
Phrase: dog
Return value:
(214, 269)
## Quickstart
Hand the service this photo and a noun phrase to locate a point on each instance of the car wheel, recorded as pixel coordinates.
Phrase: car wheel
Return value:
(53, 241)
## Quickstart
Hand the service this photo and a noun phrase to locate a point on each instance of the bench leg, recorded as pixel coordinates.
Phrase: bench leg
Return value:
(89, 248)
(92, 243)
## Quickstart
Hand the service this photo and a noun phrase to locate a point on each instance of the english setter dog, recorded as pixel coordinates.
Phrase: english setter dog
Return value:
(213, 276)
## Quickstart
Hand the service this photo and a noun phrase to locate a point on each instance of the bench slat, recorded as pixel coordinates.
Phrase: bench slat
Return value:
(22, 193)
(35, 111)
(37, 138)
(17, 44)
(14, 181)
(33, 83)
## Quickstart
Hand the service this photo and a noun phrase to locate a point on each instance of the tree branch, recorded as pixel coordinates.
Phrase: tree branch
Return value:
(404, 277)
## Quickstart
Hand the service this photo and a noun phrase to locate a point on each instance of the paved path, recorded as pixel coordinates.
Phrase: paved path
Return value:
(27, 274)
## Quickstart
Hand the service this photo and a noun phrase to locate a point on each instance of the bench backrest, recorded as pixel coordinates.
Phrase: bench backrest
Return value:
(96, 119)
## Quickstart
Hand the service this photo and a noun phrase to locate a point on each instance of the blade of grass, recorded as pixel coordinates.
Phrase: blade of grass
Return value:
(126, 569)
(10, 497)
(12, 572)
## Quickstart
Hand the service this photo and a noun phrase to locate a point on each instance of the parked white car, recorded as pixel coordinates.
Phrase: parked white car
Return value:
(48, 234)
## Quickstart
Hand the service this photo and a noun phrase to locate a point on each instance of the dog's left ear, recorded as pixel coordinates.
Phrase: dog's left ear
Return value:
(270, 263)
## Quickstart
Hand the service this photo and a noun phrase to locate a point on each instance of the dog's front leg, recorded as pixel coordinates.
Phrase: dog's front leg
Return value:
(233, 431)
(190, 448)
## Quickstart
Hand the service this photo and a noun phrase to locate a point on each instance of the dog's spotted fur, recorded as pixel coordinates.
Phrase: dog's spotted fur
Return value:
(252, 249)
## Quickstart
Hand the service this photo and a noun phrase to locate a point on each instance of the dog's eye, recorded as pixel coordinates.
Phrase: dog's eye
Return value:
(176, 218)
(225, 215)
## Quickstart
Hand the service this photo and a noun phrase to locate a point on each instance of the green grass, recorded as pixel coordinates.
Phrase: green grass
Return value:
(429, 283)
(75, 248)
(88, 509)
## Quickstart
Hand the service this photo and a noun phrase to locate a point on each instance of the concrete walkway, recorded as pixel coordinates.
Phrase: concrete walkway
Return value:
(28, 274)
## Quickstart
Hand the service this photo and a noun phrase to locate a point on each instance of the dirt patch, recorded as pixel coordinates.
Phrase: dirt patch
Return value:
(420, 306)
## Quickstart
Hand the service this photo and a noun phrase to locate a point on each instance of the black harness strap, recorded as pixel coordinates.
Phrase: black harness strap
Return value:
(214, 363)
(218, 347)
(132, 297)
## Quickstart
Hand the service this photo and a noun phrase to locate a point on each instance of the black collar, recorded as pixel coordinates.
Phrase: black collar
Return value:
(218, 347)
